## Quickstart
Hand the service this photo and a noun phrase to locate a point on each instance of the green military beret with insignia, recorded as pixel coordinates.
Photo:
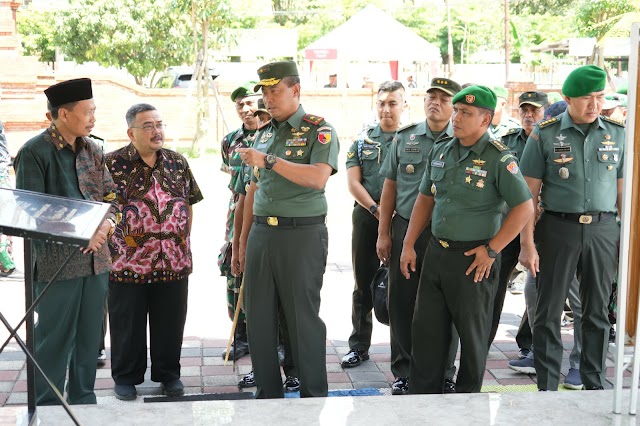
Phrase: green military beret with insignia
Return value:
(537, 99)
(246, 89)
(477, 96)
(272, 73)
(501, 92)
(449, 87)
(584, 80)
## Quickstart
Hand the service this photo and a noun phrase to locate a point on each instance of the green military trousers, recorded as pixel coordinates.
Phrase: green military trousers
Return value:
(566, 247)
(68, 333)
(445, 296)
(286, 264)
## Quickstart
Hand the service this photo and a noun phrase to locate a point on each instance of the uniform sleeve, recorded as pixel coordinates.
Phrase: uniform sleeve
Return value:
(425, 183)
(353, 159)
(511, 185)
(30, 170)
(243, 179)
(325, 147)
(533, 162)
(224, 152)
(389, 168)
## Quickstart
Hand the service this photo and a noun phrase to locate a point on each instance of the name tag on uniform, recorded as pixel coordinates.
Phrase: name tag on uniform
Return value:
(412, 149)
(562, 148)
(437, 163)
(609, 148)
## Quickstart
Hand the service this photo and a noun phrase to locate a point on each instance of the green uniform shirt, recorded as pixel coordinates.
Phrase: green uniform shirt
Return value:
(470, 191)
(579, 174)
(406, 162)
(507, 123)
(515, 140)
(303, 139)
(368, 152)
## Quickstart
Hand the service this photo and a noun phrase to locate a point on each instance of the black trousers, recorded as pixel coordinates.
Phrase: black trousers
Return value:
(591, 251)
(365, 263)
(524, 338)
(165, 304)
(509, 260)
(445, 296)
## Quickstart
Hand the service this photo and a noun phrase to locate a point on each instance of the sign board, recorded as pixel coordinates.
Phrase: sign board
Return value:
(321, 54)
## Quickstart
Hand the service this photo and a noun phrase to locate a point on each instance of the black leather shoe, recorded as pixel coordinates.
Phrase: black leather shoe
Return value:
(243, 349)
(247, 381)
(291, 384)
(400, 386)
(354, 358)
(125, 392)
(173, 388)
(449, 386)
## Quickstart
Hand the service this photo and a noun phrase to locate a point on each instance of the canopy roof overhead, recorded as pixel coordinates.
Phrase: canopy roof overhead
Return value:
(372, 35)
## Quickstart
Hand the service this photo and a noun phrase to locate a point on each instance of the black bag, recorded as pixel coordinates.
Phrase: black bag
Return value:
(379, 292)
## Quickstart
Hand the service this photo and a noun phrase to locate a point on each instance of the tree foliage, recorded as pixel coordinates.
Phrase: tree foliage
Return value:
(37, 34)
(596, 17)
(142, 36)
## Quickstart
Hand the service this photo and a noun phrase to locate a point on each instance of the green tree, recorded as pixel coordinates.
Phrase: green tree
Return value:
(37, 33)
(141, 36)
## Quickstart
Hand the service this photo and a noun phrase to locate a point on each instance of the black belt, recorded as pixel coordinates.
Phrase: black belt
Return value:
(584, 219)
(289, 221)
(458, 245)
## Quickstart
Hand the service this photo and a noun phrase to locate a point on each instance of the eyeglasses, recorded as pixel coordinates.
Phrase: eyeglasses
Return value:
(149, 128)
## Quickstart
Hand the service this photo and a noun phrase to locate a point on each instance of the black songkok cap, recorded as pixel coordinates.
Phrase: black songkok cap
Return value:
(69, 91)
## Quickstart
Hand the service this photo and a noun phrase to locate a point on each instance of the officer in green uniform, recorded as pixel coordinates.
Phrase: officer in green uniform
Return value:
(531, 110)
(364, 159)
(246, 101)
(403, 169)
(286, 244)
(467, 180)
(502, 122)
(577, 159)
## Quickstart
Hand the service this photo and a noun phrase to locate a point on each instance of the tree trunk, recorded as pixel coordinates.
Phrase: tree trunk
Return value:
(202, 88)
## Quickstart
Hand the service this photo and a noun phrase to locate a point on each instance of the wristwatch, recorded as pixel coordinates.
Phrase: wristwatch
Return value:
(373, 209)
(492, 254)
(269, 161)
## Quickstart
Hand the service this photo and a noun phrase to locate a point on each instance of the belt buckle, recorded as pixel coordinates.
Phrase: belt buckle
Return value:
(443, 243)
(585, 219)
(272, 221)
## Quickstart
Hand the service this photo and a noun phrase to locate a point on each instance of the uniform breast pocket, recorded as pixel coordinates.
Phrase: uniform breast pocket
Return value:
(297, 154)
(411, 167)
(437, 174)
(370, 163)
(607, 166)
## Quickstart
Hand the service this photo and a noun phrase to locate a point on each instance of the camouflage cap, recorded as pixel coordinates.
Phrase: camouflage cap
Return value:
(449, 87)
(477, 96)
(537, 99)
(246, 89)
(584, 80)
(272, 73)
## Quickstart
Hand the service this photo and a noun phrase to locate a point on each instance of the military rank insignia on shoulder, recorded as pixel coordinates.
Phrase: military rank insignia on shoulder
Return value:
(313, 119)
(512, 131)
(499, 145)
(546, 123)
(407, 126)
(613, 120)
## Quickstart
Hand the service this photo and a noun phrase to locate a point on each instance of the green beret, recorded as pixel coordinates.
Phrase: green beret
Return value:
(246, 89)
(622, 88)
(501, 92)
(449, 87)
(537, 99)
(272, 73)
(477, 96)
(584, 80)
(554, 97)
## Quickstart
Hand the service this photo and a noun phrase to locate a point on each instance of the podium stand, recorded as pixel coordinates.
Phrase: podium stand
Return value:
(51, 219)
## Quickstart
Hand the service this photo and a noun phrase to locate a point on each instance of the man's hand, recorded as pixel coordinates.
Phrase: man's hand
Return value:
(408, 261)
(98, 239)
(383, 248)
(529, 258)
(235, 262)
(242, 255)
(482, 263)
(252, 157)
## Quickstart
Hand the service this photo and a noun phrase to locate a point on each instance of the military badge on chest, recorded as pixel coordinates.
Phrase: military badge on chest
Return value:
(562, 151)
(476, 175)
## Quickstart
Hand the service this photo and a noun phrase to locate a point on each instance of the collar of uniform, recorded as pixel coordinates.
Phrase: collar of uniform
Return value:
(375, 132)
(566, 122)
(482, 143)
(295, 120)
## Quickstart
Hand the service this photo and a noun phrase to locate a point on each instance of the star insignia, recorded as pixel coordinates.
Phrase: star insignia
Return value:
(468, 179)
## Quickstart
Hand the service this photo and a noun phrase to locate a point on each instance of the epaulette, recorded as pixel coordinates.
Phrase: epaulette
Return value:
(613, 120)
(511, 131)
(263, 125)
(407, 126)
(313, 119)
(545, 123)
(499, 145)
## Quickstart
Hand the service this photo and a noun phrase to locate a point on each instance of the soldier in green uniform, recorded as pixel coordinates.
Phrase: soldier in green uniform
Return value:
(284, 234)
(502, 122)
(246, 101)
(531, 110)
(364, 159)
(577, 159)
(467, 180)
(403, 169)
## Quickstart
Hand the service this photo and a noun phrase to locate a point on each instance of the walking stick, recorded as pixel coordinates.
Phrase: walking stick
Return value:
(235, 323)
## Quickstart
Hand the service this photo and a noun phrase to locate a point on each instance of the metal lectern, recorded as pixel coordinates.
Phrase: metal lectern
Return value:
(48, 218)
